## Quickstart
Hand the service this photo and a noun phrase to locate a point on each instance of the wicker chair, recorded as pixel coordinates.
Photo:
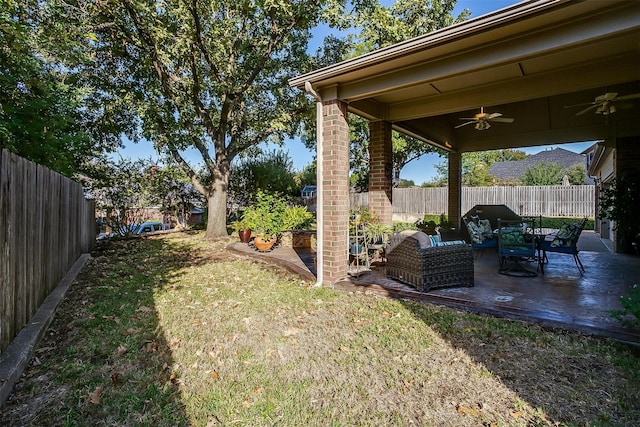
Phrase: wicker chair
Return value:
(413, 259)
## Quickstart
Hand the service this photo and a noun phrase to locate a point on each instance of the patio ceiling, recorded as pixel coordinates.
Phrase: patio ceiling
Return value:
(527, 61)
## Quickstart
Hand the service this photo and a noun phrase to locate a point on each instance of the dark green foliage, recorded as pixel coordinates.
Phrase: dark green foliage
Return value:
(271, 173)
(475, 166)
(630, 314)
(557, 222)
(620, 201)
(577, 174)
(40, 112)
(543, 174)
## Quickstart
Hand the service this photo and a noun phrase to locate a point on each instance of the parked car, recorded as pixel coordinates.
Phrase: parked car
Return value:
(135, 230)
(148, 227)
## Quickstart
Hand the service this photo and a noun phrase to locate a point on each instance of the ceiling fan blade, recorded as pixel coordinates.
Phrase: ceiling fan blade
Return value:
(468, 118)
(580, 105)
(502, 120)
(493, 116)
(606, 97)
(626, 97)
(464, 124)
(579, 113)
(624, 105)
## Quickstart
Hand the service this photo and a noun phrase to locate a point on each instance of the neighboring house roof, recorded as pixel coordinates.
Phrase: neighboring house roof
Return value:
(516, 169)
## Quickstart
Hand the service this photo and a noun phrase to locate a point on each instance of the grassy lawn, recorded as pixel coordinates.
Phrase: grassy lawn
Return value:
(174, 330)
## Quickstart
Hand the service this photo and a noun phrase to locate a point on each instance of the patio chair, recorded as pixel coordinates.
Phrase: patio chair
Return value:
(426, 263)
(514, 246)
(564, 242)
(480, 234)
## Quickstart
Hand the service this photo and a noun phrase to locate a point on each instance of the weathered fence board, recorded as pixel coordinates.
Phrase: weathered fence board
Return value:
(548, 201)
(45, 225)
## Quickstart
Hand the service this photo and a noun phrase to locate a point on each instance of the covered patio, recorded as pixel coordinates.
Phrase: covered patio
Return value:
(560, 298)
(528, 62)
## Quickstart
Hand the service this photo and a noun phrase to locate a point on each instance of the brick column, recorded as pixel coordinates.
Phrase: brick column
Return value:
(455, 189)
(335, 191)
(380, 171)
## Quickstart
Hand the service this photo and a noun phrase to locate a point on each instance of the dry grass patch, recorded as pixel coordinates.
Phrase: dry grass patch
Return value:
(176, 331)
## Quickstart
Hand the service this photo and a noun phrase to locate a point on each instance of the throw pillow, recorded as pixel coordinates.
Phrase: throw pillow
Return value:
(474, 232)
(484, 225)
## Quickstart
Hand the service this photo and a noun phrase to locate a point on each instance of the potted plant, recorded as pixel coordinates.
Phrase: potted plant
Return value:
(356, 232)
(377, 233)
(271, 217)
(243, 228)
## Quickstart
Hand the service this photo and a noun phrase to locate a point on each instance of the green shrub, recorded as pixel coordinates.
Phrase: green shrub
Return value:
(401, 226)
(631, 308)
(557, 222)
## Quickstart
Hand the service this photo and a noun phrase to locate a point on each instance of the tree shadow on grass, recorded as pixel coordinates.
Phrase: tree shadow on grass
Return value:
(572, 378)
(105, 359)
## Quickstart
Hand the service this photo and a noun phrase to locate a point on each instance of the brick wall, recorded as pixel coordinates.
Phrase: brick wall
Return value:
(335, 191)
(380, 172)
(627, 154)
(455, 188)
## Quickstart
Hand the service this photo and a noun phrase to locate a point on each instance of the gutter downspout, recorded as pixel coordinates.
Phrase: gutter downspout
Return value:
(319, 193)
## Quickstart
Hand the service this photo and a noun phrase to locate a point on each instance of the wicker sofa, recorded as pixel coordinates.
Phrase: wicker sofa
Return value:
(416, 259)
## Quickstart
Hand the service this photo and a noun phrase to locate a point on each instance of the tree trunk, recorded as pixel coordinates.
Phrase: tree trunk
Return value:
(217, 210)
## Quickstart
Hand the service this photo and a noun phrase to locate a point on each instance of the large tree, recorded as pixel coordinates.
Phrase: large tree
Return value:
(211, 75)
(380, 26)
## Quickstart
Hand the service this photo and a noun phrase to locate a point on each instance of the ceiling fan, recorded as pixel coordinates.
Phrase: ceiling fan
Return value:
(606, 104)
(482, 119)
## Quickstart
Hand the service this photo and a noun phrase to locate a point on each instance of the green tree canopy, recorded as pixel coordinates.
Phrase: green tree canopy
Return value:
(475, 166)
(270, 173)
(577, 174)
(543, 174)
(380, 26)
(212, 76)
(41, 111)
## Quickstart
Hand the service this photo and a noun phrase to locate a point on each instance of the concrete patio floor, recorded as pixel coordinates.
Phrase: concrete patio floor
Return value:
(560, 298)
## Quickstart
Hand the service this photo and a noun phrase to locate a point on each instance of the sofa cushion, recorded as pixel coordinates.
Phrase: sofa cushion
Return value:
(474, 232)
(451, 242)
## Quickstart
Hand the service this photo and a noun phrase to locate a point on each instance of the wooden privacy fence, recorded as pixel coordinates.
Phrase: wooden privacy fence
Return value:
(546, 200)
(45, 225)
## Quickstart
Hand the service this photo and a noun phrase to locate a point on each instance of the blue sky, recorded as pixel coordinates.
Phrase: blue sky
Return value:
(419, 171)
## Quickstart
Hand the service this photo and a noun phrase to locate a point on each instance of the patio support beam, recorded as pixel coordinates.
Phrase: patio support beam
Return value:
(380, 172)
(335, 191)
(455, 189)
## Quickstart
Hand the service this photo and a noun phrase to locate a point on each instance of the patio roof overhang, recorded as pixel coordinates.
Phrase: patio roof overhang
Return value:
(527, 61)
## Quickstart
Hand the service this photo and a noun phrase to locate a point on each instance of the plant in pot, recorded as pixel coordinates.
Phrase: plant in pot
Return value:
(377, 233)
(294, 218)
(377, 236)
(243, 228)
(265, 214)
(271, 217)
(356, 233)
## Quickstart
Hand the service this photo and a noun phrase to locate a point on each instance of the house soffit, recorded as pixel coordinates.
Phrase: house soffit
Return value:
(534, 50)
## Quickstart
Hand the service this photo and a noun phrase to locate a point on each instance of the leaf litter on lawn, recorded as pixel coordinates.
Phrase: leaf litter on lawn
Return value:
(208, 338)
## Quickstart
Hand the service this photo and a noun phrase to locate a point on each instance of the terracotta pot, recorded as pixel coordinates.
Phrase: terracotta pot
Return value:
(244, 235)
(263, 245)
